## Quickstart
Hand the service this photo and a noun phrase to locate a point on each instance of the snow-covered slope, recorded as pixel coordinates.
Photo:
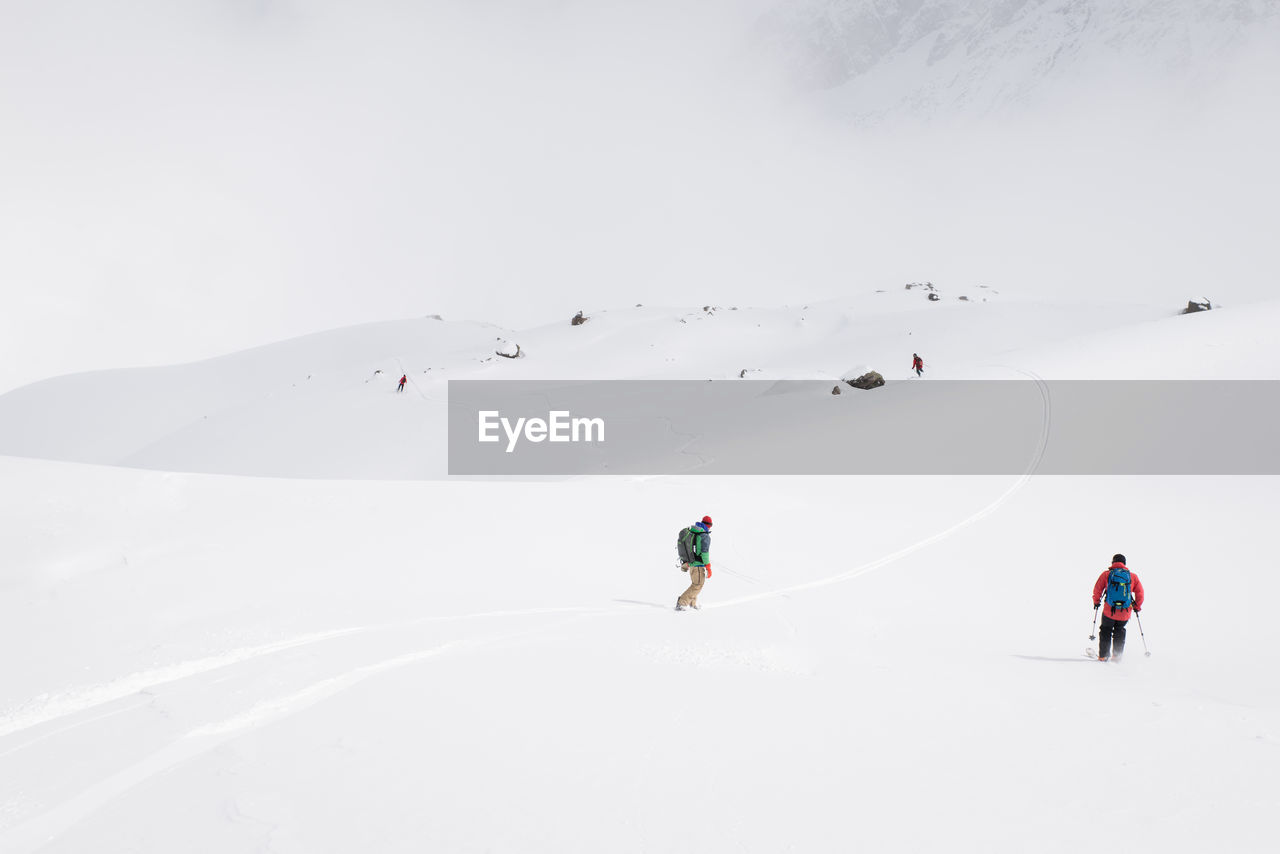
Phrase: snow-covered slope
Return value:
(326, 406)
(926, 57)
(259, 411)
(231, 665)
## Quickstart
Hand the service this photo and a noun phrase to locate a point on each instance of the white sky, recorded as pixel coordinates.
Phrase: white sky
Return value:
(183, 179)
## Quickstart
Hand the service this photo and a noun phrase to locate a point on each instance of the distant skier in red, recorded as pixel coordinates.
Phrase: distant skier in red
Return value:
(404, 378)
(917, 364)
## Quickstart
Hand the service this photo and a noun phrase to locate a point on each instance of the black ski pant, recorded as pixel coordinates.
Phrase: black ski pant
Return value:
(1110, 635)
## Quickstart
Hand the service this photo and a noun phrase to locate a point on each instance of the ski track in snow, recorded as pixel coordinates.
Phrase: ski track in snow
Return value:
(83, 722)
(45, 709)
(46, 826)
(862, 569)
(266, 711)
(33, 833)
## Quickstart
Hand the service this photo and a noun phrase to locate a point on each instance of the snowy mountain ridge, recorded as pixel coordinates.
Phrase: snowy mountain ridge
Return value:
(326, 405)
(877, 58)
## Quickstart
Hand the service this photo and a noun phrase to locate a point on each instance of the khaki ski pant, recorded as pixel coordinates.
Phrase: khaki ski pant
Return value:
(697, 578)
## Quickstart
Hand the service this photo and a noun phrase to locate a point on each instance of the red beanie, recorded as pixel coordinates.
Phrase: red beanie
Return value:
(706, 520)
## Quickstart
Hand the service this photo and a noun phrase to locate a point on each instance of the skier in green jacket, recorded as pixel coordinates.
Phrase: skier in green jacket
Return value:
(696, 545)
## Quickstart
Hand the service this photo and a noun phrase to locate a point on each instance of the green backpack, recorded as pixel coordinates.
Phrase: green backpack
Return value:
(686, 545)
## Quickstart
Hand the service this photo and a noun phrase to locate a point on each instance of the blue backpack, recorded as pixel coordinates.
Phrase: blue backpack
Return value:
(1119, 595)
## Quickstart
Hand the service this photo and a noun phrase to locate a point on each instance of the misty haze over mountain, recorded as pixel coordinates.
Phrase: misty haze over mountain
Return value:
(182, 180)
(881, 58)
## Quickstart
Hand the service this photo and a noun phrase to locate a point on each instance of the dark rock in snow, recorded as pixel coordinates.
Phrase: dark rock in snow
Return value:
(869, 380)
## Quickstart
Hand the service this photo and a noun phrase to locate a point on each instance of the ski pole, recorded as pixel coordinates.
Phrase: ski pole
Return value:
(1145, 651)
(1093, 633)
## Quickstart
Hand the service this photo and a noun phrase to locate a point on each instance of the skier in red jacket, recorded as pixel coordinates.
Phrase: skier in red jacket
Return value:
(404, 378)
(917, 364)
(1117, 584)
